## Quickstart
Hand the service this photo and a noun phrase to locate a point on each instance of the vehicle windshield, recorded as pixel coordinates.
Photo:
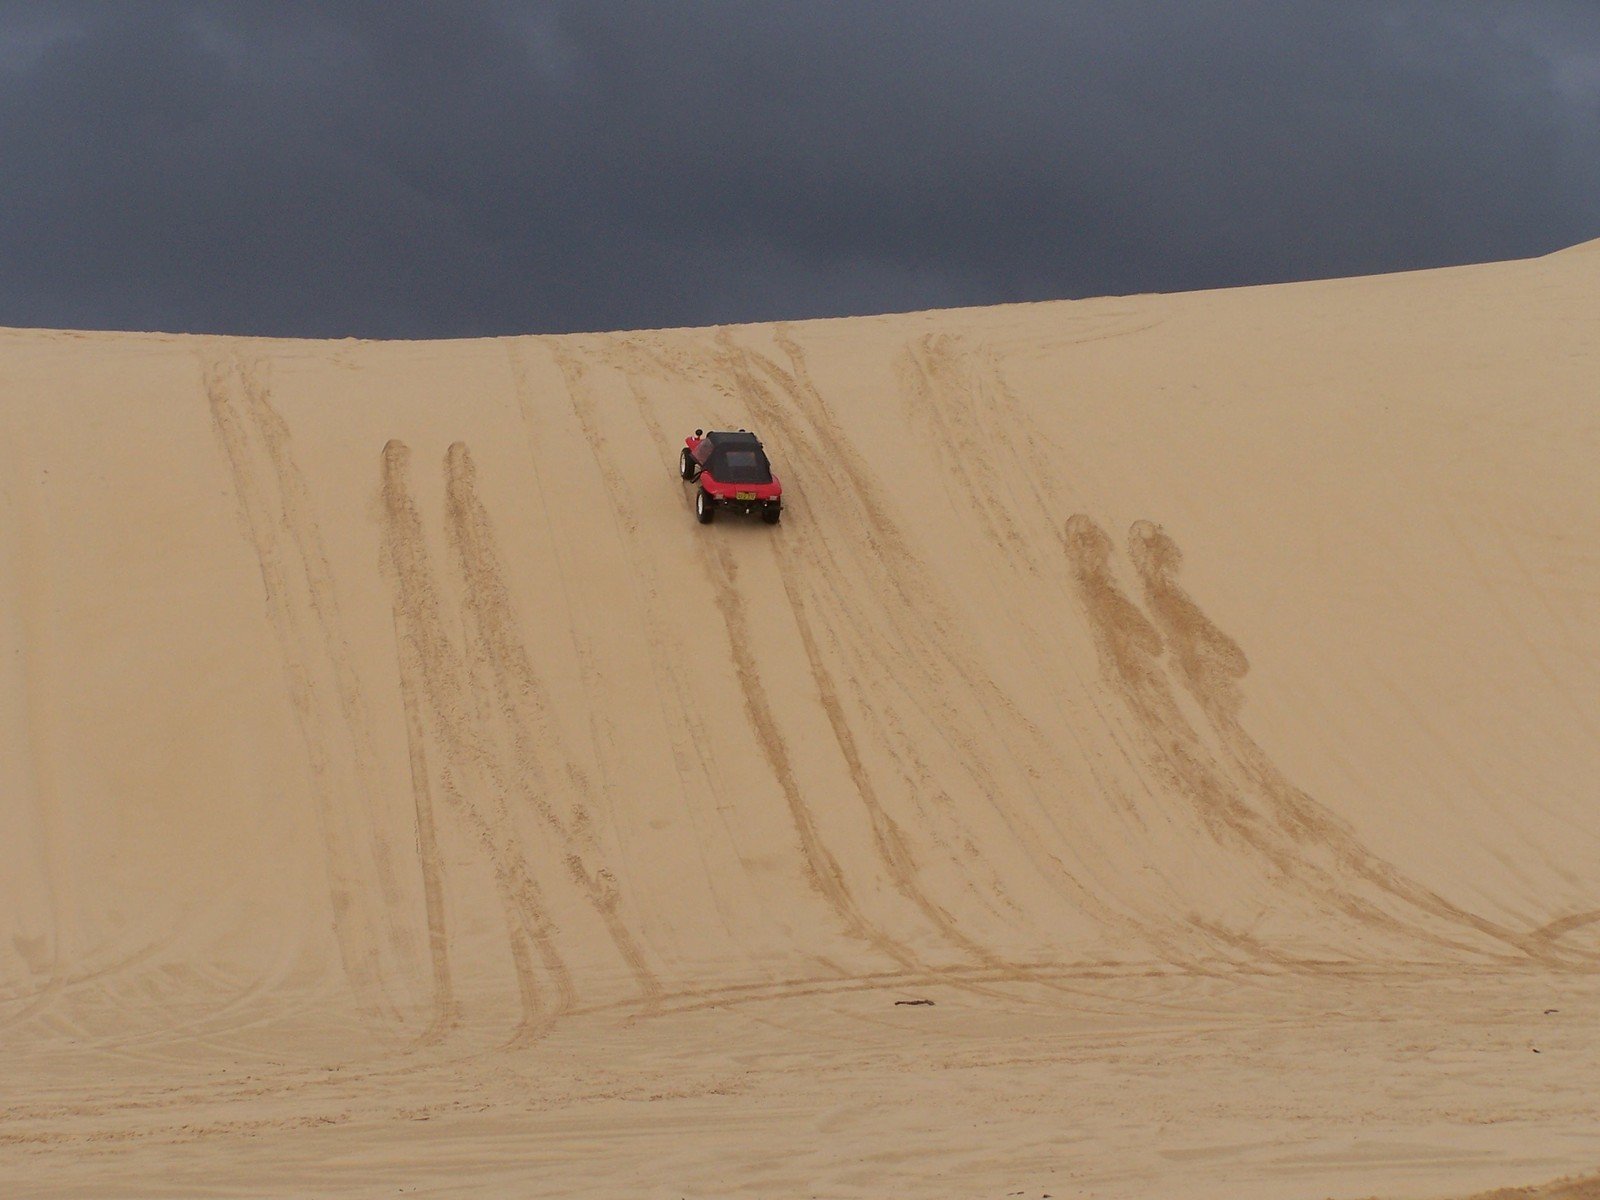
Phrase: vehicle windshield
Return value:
(741, 466)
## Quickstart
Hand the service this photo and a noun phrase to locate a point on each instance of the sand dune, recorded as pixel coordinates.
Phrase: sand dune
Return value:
(1196, 698)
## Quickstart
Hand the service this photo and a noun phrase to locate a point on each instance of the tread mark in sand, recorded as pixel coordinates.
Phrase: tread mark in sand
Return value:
(798, 387)
(1130, 650)
(603, 732)
(497, 649)
(943, 394)
(946, 380)
(1210, 664)
(933, 640)
(694, 738)
(474, 783)
(1157, 928)
(1299, 842)
(892, 847)
(822, 868)
(735, 364)
(272, 503)
(446, 1011)
(1562, 926)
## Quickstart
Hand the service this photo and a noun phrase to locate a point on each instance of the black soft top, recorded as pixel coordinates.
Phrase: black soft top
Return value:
(737, 457)
(724, 437)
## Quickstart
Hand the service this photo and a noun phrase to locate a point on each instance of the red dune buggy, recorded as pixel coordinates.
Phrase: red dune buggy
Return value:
(733, 472)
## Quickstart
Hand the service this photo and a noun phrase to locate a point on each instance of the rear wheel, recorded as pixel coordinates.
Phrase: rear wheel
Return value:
(771, 513)
(704, 507)
(687, 467)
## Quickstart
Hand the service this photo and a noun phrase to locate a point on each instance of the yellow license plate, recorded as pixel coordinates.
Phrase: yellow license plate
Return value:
(744, 495)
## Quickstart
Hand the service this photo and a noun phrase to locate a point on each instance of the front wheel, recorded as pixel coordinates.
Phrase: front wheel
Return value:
(688, 469)
(704, 507)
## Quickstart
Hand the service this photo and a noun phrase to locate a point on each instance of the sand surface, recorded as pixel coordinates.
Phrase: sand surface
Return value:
(1158, 755)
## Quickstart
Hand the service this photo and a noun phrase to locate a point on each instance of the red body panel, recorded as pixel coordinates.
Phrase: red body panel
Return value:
(760, 491)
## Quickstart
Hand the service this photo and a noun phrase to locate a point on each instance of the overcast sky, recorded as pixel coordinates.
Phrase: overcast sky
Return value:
(418, 170)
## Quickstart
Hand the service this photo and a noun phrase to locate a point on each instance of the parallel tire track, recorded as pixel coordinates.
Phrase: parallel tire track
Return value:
(1209, 664)
(805, 421)
(822, 867)
(1131, 651)
(432, 669)
(683, 714)
(264, 510)
(508, 673)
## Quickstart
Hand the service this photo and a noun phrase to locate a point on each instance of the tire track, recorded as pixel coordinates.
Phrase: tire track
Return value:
(879, 668)
(446, 1011)
(24, 537)
(929, 641)
(502, 664)
(1061, 979)
(938, 364)
(933, 640)
(890, 843)
(1090, 888)
(433, 670)
(264, 511)
(603, 734)
(1559, 928)
(1210, 664)
(1171, 933)
(299, 518)
(942, 394)
(691, 762)
(889, 840)
(1131, 650)
(605, 738)
(948, 384)
(941, 366)
(822, 868)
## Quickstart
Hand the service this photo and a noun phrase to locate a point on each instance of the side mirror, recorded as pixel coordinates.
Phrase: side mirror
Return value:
(699, 433)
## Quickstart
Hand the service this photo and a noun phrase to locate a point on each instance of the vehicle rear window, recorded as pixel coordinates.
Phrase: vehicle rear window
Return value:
(743, 466)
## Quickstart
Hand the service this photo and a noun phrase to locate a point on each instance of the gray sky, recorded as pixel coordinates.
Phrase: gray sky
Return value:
(417, 170)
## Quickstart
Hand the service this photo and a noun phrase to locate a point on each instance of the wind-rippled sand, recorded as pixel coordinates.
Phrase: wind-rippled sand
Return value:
(1158, 754)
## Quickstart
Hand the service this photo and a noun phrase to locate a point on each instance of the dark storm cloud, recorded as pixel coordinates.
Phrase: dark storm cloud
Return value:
(422, 170)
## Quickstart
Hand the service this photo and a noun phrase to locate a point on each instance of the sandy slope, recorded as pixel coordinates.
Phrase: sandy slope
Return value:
(1196, 697)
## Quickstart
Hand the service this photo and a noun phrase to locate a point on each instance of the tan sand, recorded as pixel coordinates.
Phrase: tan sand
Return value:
(1195, 698)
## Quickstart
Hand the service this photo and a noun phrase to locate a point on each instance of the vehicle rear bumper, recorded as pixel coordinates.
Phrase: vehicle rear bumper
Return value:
(748, 507)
